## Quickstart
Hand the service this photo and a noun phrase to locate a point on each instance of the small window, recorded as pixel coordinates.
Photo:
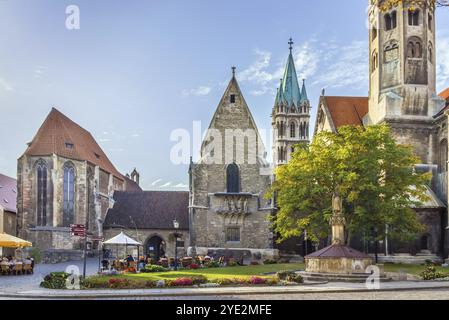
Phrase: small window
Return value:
(5, 200)
(232, 98)
(180, 243)
(413, 18)
(97, 155)
(69, 145)
(233, 234)
(430, 21)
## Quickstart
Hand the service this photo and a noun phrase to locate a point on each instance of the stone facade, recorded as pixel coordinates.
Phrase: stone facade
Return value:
(93, 191)
(227, 185)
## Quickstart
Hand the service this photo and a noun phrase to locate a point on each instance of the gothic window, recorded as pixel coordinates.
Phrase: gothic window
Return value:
(413, 17)
(430, 22)
(292, 130)
(232, 234)
(232, 98)
(68, 210)
(233, 178)
(281, 154)
(293, 149)
(442, 155)
(42, 186)
(414, 48)
(390, 21)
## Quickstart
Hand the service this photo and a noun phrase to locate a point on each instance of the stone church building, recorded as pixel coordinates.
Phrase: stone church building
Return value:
(402, 93)
(65, 178)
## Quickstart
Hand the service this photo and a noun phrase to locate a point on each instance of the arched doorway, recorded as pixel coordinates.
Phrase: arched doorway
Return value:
(155, 247)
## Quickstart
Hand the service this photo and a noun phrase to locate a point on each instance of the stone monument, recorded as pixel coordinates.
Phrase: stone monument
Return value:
(337, 261)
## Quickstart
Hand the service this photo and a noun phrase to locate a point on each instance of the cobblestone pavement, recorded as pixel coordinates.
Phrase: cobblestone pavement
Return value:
(30, 282)
(434, 294)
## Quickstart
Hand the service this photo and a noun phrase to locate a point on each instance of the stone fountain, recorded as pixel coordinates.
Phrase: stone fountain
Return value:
(337, 262)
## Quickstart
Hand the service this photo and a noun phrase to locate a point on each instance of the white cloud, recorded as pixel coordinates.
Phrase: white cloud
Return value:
(442, 61)
(257, 74)
(39, 71)
(166, 185)
(345, 65)
(199, 91)
(5, 85)
(155, 182)
(181, 186)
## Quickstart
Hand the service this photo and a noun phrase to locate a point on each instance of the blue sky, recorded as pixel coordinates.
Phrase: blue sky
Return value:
(136, 70)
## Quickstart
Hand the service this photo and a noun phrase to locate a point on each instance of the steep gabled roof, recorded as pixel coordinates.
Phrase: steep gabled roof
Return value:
(346, 110)
(445, 95)
(61, 136)
(149, 210)
(8, 193)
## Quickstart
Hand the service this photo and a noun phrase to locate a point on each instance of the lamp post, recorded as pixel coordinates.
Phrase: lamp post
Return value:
(305, 242)
(176, 226)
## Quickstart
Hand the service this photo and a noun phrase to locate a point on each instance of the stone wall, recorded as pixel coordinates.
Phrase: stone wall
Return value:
(54, 238)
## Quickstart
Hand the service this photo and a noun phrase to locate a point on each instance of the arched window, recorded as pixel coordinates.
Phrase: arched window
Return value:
(42, 187)
(413, 17)
(414, 48)
(292, 130)
(68, 210)
(442, 156)
(430, 22)
(374, 61)
(374, 33)
(390, 21)
(233, 178)
(430, 53)
(391, 51)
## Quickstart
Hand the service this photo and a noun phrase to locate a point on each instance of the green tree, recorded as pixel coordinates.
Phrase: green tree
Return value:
(373, 174)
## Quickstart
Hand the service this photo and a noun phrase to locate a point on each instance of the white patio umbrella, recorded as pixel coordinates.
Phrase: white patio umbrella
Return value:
(124, 240)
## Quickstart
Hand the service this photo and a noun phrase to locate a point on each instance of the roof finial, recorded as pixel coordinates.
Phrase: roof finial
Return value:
(290, 43)
(233, 71)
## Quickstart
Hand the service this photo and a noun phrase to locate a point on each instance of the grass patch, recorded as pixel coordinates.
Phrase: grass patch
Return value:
(410, 268)
(216, 273)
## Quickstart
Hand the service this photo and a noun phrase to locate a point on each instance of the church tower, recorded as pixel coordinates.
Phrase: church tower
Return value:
(402, 71)
(291, 114)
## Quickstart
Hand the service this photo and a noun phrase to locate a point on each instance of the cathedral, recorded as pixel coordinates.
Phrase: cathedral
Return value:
(65, 178)
(402, 94)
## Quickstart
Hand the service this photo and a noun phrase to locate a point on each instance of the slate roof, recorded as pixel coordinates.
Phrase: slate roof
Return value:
(131, 185)
(61, 136)
(8, 193)
(149, 210)
(337, 251)
(346, 110)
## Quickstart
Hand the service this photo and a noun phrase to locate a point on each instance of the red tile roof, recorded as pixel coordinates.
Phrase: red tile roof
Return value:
(445, 95)
(347, 110)
(61, 136)
(8, 193)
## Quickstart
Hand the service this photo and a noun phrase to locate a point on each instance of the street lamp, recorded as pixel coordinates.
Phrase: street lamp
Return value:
(176, 226)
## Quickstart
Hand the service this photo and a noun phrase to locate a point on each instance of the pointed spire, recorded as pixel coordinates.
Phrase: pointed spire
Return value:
(290, 92)
(233, 71)
(304, 91)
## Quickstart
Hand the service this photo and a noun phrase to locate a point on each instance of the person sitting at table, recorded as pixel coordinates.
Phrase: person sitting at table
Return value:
(129, 259)
(105, 264)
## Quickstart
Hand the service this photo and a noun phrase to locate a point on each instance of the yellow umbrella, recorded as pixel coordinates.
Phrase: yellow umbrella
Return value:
(9, 241)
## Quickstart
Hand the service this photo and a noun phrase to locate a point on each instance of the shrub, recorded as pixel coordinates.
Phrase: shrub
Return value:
(153, 268)
(229, 281)
(181, 282)
(269, 261)
(284, 274)
(197, 280)
(36, 254)
(193, 266)
(257, 280)
(212, 264)
(94, 283)
(254, 263)
(272, 281)
(295, 278)
(231, 263)
(118, 283)
(430, 273)
(55, 280)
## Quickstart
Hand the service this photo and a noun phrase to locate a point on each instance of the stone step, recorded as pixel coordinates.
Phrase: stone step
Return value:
(355, 278)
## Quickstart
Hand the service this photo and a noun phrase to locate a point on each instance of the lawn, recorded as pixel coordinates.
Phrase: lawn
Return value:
(219, 273)
(411, 268)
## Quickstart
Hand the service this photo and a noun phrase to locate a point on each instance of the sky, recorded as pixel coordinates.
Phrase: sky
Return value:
(137, 70)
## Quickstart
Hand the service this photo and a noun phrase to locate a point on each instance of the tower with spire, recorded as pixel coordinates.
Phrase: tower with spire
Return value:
(291, 114)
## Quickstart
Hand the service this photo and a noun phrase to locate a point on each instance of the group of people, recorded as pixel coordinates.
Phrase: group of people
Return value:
(10, 265)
